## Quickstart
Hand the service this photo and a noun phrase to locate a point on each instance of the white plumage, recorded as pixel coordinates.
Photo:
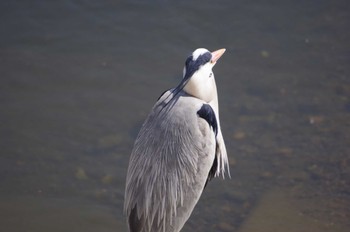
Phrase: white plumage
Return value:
(178, 149)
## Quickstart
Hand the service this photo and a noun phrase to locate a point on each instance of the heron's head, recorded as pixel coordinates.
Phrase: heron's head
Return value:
(198, 75)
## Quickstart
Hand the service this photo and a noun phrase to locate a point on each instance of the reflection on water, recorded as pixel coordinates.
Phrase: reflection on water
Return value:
(79, 77)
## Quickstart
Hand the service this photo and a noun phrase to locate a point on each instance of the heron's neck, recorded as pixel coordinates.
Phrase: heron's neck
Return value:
(214, 103)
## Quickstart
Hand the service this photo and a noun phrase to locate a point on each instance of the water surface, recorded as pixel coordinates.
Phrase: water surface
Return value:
(79, 77)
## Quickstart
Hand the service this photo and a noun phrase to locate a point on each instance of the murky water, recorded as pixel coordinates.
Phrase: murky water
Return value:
(79, 77)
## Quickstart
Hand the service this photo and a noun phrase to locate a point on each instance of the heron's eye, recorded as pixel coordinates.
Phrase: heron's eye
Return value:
(211, 74)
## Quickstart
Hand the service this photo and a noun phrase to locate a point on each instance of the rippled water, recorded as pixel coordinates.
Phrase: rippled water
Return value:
(79, 77)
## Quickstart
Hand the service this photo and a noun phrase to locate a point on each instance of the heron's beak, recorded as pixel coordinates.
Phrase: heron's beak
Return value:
(217, 54)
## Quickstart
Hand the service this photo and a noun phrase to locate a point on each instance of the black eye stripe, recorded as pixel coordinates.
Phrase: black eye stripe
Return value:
(193, 65)
(203, 58)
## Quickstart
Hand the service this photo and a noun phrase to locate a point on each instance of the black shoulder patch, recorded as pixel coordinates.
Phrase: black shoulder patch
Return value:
(207, 113)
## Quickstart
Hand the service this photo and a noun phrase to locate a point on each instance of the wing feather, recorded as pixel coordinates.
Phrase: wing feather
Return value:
(168, 167)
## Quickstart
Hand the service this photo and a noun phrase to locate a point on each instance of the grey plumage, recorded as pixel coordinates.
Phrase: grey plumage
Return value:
(172, 159)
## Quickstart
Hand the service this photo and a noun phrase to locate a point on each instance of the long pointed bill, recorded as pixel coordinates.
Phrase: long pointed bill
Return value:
(217, 54)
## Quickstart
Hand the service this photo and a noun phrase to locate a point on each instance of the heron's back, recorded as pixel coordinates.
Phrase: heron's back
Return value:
(169, 166)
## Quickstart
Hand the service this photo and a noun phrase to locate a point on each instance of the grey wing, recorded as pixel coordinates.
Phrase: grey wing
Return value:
(168, 168)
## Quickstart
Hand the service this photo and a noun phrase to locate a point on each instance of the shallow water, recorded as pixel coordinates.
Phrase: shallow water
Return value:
(79, 78)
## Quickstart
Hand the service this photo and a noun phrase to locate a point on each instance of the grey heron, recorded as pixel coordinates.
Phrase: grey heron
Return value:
(178, 149)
